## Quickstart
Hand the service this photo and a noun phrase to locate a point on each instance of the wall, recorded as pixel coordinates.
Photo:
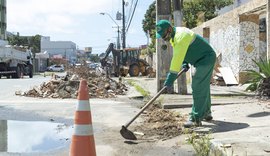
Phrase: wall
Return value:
(235, 36)
(249, 42)
(226, 43)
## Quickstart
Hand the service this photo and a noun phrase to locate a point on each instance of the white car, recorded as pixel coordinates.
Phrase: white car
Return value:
(56, 68)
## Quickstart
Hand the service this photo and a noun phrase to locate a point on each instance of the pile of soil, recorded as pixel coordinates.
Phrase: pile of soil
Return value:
(160, 124)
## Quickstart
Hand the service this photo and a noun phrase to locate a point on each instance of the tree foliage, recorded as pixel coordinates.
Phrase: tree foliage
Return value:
(194, 11)
(149, 26)
(197, 11)
(94, 58)
(32, 42)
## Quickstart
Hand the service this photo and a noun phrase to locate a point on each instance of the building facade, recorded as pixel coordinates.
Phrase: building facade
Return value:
(60, 49)
(238, 37)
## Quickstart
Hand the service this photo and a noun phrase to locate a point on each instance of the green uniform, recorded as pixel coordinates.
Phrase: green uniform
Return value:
(191, 48)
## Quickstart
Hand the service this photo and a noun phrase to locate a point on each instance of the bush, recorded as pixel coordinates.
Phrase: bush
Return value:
(260, 80)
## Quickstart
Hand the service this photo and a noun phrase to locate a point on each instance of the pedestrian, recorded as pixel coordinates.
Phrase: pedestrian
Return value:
(190, 48)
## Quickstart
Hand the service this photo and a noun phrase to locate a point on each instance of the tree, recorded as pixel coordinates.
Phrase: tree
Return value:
(94, 58)
(32, 42)
(198, 11)
(149, 26)
(35, 43)
(194, 11)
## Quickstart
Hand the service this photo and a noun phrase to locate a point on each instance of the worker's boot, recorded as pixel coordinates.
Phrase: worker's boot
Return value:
(190, 124)
(190, 118)
(208, 117)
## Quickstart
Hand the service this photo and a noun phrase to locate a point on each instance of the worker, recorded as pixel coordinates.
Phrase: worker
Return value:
(190, 48)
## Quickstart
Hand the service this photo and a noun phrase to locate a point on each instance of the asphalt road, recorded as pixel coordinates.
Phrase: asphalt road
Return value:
(108, 116)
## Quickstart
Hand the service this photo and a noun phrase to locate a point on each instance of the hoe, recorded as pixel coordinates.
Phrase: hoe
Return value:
(127, 134)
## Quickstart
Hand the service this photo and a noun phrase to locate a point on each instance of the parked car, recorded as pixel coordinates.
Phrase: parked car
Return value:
(56, 68)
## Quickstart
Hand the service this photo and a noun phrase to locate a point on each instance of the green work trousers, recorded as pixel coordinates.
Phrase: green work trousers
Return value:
(201, 86)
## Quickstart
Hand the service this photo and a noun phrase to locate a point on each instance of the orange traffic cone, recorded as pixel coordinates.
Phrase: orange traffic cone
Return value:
(83, 143)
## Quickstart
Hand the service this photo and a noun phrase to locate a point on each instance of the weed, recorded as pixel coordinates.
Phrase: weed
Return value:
(200, 143)
(139, 88)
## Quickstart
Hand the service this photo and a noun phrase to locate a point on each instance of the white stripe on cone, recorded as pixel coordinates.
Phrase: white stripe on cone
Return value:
(83, 130)
(83, 105)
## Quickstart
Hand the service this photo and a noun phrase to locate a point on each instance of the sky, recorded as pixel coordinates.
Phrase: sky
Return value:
(78, 21)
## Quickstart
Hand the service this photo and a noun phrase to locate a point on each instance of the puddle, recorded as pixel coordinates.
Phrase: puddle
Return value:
(33, 136)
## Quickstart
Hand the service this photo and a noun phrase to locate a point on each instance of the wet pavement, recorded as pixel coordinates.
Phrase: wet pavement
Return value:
(33, 136)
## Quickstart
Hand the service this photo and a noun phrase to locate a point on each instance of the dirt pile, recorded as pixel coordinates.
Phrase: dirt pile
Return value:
(160, 124)
(100, 86)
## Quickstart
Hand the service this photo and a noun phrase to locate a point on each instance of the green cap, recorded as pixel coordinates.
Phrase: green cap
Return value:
(161, 27)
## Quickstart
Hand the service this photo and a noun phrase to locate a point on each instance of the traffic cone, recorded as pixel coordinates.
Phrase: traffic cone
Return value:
(82, 142)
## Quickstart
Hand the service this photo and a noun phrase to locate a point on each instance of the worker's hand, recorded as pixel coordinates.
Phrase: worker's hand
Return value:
(170, 79)
(185, 66)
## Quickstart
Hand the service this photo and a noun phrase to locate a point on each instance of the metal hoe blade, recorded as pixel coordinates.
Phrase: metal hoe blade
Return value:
(127, 134)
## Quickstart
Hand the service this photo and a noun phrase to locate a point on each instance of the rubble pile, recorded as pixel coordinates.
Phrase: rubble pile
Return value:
(161, 124)
(67, 87)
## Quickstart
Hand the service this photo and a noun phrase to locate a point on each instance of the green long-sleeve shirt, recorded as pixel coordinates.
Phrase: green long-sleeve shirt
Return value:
(188, 47)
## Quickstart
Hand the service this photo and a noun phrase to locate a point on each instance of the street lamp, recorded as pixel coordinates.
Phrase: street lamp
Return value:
(118, 31)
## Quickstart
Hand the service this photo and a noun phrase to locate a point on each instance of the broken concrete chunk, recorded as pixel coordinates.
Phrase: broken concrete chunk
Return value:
(99, 86)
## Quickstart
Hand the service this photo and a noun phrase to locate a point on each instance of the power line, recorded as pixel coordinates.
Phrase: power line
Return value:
(130, 10)
(132, 15)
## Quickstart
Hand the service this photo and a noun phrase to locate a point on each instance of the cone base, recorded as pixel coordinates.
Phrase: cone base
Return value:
(83, 146)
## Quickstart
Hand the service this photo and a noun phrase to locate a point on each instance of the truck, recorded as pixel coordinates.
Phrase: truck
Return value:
(15, 63)
(125, 61)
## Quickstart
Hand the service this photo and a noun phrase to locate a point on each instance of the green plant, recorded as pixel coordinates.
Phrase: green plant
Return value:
(139, 88)
(200, 143)
(260, 80)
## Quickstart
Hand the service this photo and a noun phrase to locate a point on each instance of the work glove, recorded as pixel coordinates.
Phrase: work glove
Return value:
(170, 79)
(185, 66)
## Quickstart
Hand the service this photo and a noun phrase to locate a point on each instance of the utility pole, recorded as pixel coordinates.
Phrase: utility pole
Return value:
(268, 30)
(124, 26)
(118, 37)
(178, 16)
(164, 49)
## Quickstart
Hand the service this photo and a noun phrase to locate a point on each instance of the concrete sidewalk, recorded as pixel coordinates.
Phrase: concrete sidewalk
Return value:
(241, 124)
(238, 128)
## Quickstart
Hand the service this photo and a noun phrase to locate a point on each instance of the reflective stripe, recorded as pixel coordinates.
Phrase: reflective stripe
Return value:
(7, 72)
(83, 130)
(83, 105)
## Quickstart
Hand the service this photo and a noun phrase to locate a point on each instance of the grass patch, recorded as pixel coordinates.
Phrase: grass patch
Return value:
(47, 73)
(139, 88)
(201, 143)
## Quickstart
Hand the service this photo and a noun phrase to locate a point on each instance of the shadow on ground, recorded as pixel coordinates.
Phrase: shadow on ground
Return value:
(259, 114)
(222, 126)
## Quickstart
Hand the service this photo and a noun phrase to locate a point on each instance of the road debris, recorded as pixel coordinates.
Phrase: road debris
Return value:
(67, 86)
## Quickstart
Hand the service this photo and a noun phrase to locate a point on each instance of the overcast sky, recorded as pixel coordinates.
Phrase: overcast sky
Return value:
(78, 21)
